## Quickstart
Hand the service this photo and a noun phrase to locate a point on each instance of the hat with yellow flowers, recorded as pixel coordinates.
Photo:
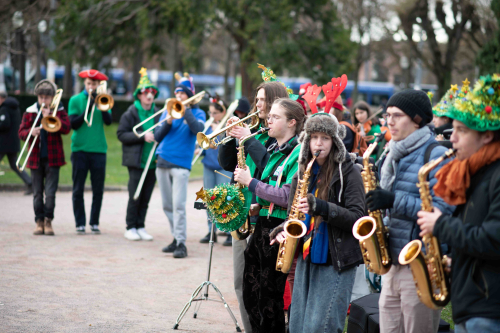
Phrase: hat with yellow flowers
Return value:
(449, 98)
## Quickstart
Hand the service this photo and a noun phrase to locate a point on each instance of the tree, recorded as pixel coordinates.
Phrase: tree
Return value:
(488, 58)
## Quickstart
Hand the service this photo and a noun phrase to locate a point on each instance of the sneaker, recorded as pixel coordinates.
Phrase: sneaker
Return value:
(170, 248)
(181, 251)
(95, 229)
(131, 234)
(144, 235)
(228, 241)
(206, 239)
(80, 230)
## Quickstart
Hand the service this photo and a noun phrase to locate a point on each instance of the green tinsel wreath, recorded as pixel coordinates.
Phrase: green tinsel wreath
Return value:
(226, 206)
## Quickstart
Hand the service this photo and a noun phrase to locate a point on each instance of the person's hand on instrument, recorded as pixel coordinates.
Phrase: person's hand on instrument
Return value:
(243, 176)
(229, 122)
(36, 131)
(240, 131)
(149, 137)
(379, 199)
(280, 238)
(46, 111)
(427, 221)
(303, 205)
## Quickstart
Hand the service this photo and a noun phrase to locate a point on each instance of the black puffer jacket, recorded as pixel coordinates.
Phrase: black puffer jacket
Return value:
(10, 120)
(344, 248)
(132, 145)
(473, 233)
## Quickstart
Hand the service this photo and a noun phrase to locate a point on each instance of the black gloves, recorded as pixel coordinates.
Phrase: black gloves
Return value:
(379, 199)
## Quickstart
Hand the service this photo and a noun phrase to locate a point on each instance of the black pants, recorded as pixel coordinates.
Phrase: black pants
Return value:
(83, 163)
(263, 286)
(44, 178)
(137, 209)
(12, 157)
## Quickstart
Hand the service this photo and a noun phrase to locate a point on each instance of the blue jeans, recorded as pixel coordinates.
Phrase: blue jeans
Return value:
(321, 297)
(212, 179)
(476, 325)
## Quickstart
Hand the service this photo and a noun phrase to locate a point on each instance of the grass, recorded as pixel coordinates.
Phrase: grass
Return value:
(116, 174)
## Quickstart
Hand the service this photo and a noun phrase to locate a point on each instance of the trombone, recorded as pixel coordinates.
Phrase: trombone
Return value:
(51, 123)
(28, 140)
(205, 141)
(103, 101)
(175, 110)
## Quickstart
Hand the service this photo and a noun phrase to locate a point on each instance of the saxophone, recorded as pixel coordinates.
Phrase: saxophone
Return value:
(370, 230)
(294, 228)
(432, 286)
(245, 230)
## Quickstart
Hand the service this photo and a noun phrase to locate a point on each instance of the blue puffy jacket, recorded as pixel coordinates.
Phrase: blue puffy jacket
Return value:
(402, 219)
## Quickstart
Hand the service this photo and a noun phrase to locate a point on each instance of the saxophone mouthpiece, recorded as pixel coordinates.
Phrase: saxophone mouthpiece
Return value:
(316, 154)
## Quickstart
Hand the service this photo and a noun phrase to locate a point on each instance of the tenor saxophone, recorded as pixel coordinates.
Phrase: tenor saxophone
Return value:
(431, 280)
(294, 228)
(245, 230)
(370, 230)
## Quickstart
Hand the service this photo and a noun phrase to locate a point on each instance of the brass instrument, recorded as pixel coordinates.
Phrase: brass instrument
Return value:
(28, 140)
(205, 141)
(175, 109)
(103, 102)
(433, 287)
(246, 229)
(370, 230)
(294, 228)
(51, 123)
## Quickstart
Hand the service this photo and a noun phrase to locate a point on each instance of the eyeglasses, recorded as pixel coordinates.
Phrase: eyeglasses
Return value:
(149, 90)
(395, 116)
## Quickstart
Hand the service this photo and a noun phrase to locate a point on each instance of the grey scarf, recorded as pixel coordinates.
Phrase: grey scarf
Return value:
(400, 149)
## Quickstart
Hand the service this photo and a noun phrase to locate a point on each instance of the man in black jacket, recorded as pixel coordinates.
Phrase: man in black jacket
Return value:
(472, 182)
(136, 153)
(10, 120)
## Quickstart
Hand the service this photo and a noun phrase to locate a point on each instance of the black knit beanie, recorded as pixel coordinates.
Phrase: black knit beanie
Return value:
(243, 105)
(415, 103)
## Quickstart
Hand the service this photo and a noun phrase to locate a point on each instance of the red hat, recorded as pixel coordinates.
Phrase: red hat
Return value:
(303, 88)
(93, 74)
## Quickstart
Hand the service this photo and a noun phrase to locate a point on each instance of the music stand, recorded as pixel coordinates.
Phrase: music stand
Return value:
(206, 284)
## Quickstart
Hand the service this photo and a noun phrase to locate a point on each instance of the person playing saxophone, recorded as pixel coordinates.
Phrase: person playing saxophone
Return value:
(472, 182)
(329, 252)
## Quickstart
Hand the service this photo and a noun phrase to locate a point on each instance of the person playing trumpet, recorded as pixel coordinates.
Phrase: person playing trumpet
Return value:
(46, 157)
(175, 152)
(136, 151)
(88, 147)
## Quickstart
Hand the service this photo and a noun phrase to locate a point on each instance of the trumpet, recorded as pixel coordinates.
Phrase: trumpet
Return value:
(175, 110)
(103, 101)
(51, 123)
(28, 140)
(205, 141)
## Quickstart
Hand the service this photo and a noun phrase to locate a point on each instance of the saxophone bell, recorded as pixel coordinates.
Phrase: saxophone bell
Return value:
(294, 230)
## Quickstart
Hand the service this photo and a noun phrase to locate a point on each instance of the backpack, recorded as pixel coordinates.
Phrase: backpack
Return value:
(359, 145)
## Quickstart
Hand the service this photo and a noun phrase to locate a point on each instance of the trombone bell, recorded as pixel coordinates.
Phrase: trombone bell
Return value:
(175, 108)
(51, 124)
(104, 102)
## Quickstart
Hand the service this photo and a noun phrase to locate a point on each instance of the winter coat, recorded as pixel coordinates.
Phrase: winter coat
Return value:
(344, 248)
(402, 219)
(131, 144)
(10, 119)
(54, 140)
(473, 232)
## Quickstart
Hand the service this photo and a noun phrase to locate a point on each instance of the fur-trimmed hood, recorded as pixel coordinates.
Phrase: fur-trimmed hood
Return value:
(324, 123)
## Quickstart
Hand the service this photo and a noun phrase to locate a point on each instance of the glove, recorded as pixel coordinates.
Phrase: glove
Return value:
(379, 199)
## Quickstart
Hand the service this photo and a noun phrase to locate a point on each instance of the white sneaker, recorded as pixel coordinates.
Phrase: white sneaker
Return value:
(144, 235)
(132, 234)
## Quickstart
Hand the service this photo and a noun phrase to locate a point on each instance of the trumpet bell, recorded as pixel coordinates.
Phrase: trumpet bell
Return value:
(203, 140)
(51, 124)
(104, 102)
(175, 108)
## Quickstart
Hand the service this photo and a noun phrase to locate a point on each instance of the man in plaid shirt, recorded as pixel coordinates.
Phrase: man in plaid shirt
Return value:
(47, 155)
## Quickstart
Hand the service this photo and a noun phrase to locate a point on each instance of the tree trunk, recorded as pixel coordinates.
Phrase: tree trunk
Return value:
(137, 67)
(227, 69)
(175, 63)
(22, 62)
(68, 79)
(38, 75)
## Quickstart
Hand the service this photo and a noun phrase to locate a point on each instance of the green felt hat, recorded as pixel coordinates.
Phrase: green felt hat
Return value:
(479, 109)
(144, 83)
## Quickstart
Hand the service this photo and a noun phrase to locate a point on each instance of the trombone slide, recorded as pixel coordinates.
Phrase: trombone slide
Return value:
(28, 140)
(144, 173)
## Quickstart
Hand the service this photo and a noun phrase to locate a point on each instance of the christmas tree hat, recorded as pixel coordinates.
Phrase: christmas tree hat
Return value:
(226, 206)
(144, 83)
(479, 109)
(269, 76)
(447, 100)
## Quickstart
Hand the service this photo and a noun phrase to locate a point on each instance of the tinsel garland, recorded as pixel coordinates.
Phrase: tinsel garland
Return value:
(269, 76)
(479, 109)
(226, 206)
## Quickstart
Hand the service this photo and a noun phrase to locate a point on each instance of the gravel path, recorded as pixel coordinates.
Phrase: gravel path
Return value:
(105, 283)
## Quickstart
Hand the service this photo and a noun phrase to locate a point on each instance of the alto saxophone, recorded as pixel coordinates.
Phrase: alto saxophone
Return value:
(294, 228)
(370, 230)
(432, 286)
(245, 230)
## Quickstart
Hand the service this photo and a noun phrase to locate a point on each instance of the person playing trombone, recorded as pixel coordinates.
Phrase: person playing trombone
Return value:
(47, 155)
(88, 147)
(136, 152)
(175, 152)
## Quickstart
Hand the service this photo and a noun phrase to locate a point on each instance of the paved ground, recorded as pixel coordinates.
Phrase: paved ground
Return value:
(105, 283)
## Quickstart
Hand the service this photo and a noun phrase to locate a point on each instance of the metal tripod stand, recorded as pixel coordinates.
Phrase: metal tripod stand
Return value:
(204, 297)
